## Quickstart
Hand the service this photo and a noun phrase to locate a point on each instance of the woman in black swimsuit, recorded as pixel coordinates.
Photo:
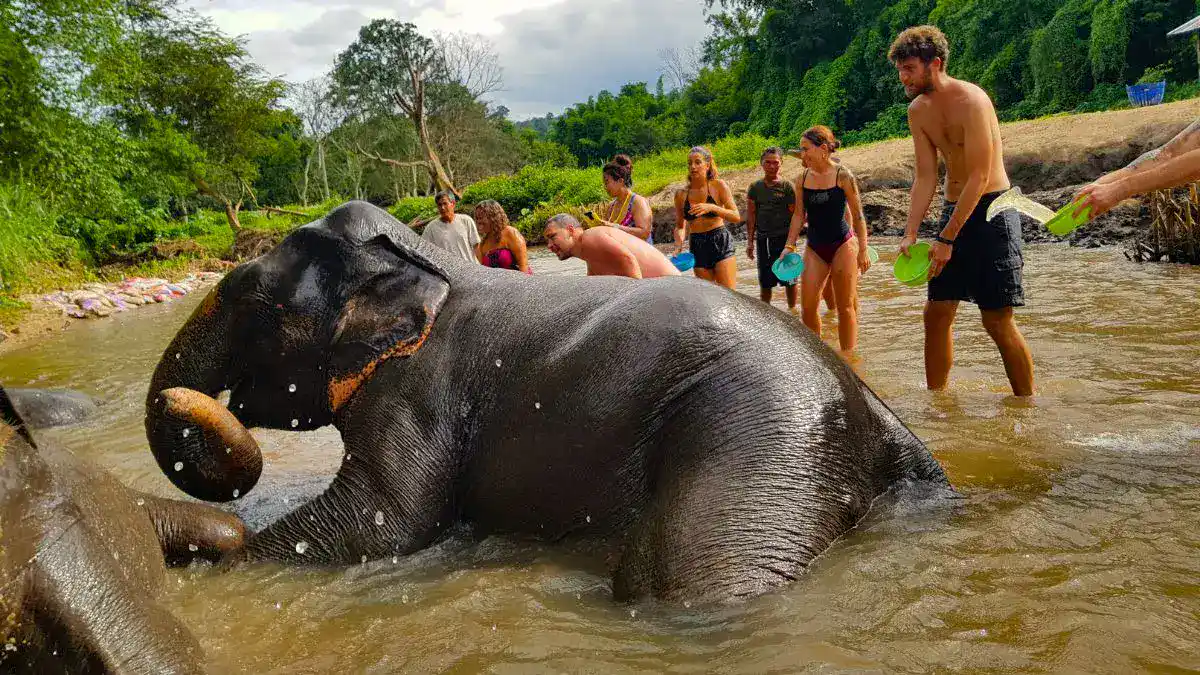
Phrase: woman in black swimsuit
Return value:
(835, 251)
(701, 211)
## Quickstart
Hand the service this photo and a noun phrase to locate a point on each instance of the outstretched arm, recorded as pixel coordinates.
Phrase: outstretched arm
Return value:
(1185, 141)
(1173, 173)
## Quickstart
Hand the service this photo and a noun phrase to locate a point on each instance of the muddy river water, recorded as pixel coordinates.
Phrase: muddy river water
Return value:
(1075, 547)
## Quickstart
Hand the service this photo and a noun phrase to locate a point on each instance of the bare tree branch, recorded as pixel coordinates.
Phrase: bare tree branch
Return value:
(391, 162)
(682, 67)
(471, 61)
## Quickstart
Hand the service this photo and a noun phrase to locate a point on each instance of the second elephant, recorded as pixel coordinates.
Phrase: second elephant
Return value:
(724, 442)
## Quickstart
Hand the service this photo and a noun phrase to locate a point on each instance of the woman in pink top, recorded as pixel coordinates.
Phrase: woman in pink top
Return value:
(501, 245)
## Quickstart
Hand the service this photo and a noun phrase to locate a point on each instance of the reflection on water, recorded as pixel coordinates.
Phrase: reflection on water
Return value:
(1075, 548)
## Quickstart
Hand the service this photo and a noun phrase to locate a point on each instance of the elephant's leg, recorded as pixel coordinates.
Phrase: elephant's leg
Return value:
(187, 531)
(97, 619)
(738, 524)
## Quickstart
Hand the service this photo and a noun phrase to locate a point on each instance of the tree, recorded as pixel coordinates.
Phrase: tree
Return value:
(681, 67)
(387, 69)
(320, 114)
(471, 62)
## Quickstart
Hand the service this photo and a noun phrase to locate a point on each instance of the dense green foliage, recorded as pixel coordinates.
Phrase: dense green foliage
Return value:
(127, 122)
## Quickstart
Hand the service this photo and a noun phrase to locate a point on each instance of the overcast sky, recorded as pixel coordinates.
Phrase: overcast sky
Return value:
(555, 53)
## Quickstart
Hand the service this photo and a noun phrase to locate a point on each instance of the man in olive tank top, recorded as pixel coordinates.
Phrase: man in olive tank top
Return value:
(770, 203)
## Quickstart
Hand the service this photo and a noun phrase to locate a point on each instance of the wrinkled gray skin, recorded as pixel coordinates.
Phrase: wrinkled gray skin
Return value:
(82, 559)
(45, 408)
(722, 441)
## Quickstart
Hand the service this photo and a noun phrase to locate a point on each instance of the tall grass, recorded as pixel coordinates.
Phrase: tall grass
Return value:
(30, 246)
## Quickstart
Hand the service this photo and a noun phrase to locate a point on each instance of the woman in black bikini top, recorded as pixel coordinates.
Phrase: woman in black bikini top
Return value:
(834, 253)
(703, 223)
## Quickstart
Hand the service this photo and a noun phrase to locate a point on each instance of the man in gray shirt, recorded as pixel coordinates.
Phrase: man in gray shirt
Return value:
(770, 204)
(452, 231)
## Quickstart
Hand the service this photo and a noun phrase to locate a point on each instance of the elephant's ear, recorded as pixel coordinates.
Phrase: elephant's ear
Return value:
(10, 416)
(388, 315)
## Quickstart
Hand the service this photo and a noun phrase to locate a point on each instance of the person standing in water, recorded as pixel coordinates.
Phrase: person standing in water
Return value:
(454, 232)
(628, 211)
(501, 245)
(770, 203)
(834, 251)
(972, 258)
(701, 211)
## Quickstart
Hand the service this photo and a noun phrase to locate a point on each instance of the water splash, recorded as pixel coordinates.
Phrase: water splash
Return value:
(1015, 201)
(193, 548)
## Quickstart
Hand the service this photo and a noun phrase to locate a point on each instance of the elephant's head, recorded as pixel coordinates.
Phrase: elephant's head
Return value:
(291, 335)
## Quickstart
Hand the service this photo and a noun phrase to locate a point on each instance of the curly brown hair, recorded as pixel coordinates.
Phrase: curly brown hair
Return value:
(924, 42)
(493, 216)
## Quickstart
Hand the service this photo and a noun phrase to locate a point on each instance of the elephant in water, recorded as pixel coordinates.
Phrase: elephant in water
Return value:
(44, 408)
(82, 558)
(722, 441)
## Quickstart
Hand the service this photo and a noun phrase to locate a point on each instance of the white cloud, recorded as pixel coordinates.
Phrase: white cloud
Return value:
(555, 53)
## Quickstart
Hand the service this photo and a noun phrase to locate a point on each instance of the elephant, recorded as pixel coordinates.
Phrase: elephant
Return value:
(718, 441)
(83, 557)
(45, 408)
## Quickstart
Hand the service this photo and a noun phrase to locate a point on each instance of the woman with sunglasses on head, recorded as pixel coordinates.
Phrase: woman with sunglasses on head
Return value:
(701, 211)
(628, 211)
(834, 252)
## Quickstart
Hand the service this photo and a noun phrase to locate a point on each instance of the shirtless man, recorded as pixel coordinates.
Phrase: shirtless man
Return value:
(972, 259)
(606, 250)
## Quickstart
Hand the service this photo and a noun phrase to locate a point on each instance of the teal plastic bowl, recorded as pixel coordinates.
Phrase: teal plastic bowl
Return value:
(684, 261)
(789, 267)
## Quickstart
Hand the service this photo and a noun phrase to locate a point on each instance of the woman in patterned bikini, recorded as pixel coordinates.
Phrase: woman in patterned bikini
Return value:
(628, 211)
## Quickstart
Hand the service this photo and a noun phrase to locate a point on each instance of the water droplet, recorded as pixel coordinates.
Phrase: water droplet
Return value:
(295, 423)
(193, 548)
(186, 432)
(687, 604)
(589, 519)
(577, 596)
(178, 356)
(404, 598)
(537, 405)
(310, 420)
(10, 647)
(493, 628)
(379, 517)
(364, 560)
(279, 605)
(236, 492)
(228, 451)
(498, 363)
(632, 613)
(141, 502)
(116, 556)
(395, 560)
(241, 406)
(179, 466)
(292, 388)
(348, 456)
(301, 547)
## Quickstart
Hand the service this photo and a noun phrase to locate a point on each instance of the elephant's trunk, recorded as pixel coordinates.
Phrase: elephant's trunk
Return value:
(199, 444)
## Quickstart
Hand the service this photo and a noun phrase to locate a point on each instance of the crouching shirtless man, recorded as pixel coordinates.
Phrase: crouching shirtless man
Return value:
(973, 259)
(607, 251)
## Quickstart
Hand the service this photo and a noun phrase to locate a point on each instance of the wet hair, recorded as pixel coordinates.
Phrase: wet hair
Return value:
(924, 42)
(491, 211)
(707, 155)
(562, 220)
(822, 135)
(620, 169)
(445, 194)
(773, 150)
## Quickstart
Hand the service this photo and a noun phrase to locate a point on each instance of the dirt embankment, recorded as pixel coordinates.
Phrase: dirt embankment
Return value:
(1050, 159)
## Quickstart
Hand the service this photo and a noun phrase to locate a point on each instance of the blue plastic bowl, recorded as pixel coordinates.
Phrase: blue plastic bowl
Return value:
(789, 267)
(684, 261)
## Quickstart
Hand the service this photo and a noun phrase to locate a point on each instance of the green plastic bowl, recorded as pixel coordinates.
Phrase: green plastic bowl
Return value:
(913, 269)
(1065, 222)
(788, 267)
